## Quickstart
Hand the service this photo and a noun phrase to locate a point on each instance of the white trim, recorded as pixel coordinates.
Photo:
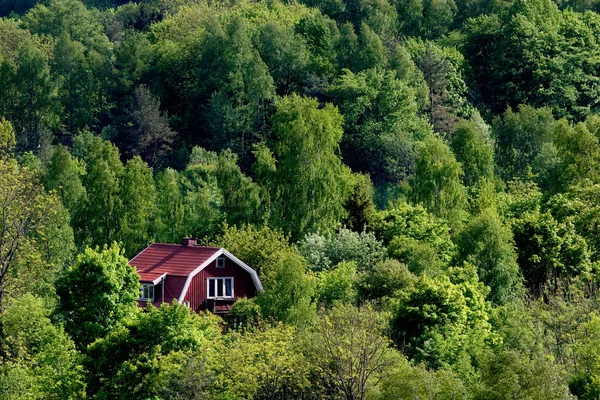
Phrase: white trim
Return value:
(157, 280)
(249, 270)
(195, 272)
(214, 278)
(233, 258)
(139, 254)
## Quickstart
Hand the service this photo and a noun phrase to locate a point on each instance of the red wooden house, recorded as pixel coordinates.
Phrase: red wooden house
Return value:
(203, 278)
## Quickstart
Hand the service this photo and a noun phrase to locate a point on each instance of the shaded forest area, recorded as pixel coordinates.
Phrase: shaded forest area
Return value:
(416, 182)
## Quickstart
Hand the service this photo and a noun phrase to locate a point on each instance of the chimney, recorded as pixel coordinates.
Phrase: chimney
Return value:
(188, 241)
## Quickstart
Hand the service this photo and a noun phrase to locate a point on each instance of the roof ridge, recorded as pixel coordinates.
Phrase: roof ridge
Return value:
(191, 247)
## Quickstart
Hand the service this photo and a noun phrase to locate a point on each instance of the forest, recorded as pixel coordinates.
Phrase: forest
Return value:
(416, 182)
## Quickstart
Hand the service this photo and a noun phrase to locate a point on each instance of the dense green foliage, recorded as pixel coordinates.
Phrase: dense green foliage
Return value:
(416, 183)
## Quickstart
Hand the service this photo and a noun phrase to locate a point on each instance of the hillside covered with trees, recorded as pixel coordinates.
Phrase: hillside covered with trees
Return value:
(416, 182)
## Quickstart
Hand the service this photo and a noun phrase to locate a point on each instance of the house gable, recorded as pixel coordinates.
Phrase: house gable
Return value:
(176, 275)
(198, 292)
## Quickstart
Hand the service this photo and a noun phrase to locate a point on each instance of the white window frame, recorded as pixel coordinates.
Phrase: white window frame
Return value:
(142, 287)
(221, 261)
(208, 283)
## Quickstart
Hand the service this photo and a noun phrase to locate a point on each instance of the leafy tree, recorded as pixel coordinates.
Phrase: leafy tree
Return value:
(321, 35)
(245, 313)
(428, 19)
(307, 141)
(71, 17)
(523, 196)
(546, 66)
(519, 138)
(138, 196)
(474, 150)
(406, 381)
(185, 375)
(146, 350)
(99, 221)
(372, 54)
(385, 280)
(63, 174)
(417, 225)
(436, 183)
(241, 196)
(444, 322)
(487, 243)
(579, 155)
(286, 55)
(419, 256)
(151, 135)
(270, 364)
(380, 117)
(7, 137)
(237, 89)
(360, 206)
(548, 250)
(89, 313)
(337, 285)
(579, 206)
(76, 91)
(351, 367)
(443, 70)
(203, 201)
(407, 71)
(34, 95)
(34, 236)
(325, 251)
(509, 374)
(38, 354)
(170, 224)
(288, 289)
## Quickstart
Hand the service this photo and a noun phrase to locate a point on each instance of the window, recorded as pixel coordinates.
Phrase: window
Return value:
(220, 287)
(147, 292)
(221, 262)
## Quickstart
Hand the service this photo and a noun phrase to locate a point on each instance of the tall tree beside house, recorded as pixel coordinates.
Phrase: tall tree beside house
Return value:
(99, 222)
(35, 239)
(140, 357)
(138, 196)
(96, 292)
(289, 290)
(63, 175)
(170, 223)
(241, 196)
(306, 148)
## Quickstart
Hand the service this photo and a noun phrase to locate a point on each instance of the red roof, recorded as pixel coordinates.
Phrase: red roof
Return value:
(172, 259)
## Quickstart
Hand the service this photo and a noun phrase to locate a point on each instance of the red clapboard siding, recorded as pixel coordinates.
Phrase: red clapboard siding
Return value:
(173, 287)
(243, 286)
